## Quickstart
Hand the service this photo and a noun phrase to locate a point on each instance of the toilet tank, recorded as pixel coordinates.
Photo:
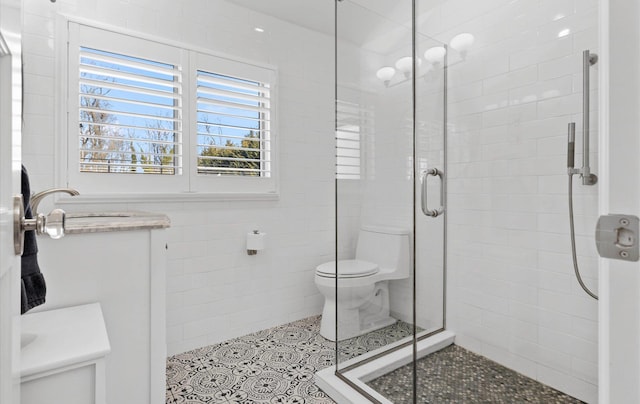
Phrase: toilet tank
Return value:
(388, 247)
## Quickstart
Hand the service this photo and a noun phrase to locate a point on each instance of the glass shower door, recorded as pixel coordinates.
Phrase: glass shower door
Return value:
(383, 147)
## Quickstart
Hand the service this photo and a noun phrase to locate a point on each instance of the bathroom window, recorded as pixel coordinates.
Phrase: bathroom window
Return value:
(147, 117)
(233, 122)
(129, 114)
(233, 126)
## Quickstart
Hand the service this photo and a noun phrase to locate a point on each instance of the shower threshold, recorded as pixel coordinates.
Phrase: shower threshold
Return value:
(343, 393)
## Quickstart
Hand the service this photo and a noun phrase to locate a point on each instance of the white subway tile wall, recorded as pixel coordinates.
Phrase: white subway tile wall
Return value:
(215, 291)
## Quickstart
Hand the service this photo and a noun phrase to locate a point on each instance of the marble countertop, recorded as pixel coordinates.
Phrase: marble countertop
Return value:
(98, 222)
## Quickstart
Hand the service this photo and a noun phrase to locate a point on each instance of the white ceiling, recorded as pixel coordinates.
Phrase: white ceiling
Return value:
(375, 25)
(313, 14)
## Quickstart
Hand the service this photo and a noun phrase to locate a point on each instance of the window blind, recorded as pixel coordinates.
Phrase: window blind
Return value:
(233, 126)
(130, 113)
(351, 120)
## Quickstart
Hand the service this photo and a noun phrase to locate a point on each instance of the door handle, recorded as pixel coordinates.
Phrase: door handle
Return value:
(424, 177)
(52, 224)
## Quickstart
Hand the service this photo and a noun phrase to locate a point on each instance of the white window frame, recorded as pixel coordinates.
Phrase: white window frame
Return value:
(133, 187)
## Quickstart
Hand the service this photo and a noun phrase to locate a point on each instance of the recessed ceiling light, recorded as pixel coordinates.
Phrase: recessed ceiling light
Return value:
(258, 29)
(564, 32)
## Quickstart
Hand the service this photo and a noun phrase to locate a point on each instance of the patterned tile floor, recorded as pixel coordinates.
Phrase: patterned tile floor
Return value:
(455, 375)
(269, 366)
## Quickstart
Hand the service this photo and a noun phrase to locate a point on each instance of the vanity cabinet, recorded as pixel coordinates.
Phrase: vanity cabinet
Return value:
(120, 262)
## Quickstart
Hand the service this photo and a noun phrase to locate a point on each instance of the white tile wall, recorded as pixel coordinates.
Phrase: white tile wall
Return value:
(512, 295)
(215, 291)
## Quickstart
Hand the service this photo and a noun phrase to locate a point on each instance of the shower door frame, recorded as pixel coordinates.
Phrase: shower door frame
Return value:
(619, 281)
(10, 162)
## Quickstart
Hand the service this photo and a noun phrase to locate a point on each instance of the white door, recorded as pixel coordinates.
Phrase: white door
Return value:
(619, 308)
(10, 163)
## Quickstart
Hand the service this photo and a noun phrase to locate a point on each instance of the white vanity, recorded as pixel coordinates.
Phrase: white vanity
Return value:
(119, 261)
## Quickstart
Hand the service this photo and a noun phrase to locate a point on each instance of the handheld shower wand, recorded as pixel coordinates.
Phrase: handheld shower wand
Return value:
(588, 178)
(571, 152)
(571, 147)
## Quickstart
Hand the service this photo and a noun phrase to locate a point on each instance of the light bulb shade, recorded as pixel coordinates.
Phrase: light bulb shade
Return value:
(405, 64)
(462, 42)
(386, 73)
(435, 54)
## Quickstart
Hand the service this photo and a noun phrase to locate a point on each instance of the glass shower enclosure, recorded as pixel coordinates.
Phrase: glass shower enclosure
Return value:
(451, 135)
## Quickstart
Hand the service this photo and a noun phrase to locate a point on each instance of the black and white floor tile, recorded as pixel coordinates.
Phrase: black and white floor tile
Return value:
(273, 366)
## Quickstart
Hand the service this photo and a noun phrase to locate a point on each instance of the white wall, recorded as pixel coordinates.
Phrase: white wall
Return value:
(512, 295)
(215, 290)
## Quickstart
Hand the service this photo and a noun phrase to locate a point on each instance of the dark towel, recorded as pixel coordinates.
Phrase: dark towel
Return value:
(33, 287)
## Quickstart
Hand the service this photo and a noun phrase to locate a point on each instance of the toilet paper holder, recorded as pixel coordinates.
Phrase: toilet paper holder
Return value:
(255, 242)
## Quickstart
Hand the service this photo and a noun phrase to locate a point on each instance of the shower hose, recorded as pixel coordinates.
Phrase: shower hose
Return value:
(573, 242)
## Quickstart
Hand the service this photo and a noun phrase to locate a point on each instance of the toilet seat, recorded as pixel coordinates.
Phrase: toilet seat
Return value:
(348, 269)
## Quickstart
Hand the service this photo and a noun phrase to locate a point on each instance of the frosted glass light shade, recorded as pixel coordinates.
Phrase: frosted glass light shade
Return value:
(462, 42)
(386, 73)
(435, 54)
(405, 64)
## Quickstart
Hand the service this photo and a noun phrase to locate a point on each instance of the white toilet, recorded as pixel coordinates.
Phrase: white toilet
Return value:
(382, 253)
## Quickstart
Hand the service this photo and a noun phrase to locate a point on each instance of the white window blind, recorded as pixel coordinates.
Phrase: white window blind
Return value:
(233, 126)
(130, 113)
(351, 120)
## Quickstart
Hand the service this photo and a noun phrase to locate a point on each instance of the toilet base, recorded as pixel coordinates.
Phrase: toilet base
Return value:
(378, 324)
(346, 327)
(358, 320)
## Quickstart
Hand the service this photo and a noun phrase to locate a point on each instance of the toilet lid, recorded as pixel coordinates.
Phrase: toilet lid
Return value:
(347, 269)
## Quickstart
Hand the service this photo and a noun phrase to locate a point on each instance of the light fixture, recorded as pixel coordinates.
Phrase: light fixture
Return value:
(462, 43)
(435, 55)
(258, 29)
(386, 74)
(405, 65)
(564, 33)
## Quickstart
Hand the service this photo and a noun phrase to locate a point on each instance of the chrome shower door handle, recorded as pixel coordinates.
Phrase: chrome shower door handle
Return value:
(425, 209)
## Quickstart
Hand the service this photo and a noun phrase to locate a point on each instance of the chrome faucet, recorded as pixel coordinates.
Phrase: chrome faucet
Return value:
(36, 198)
